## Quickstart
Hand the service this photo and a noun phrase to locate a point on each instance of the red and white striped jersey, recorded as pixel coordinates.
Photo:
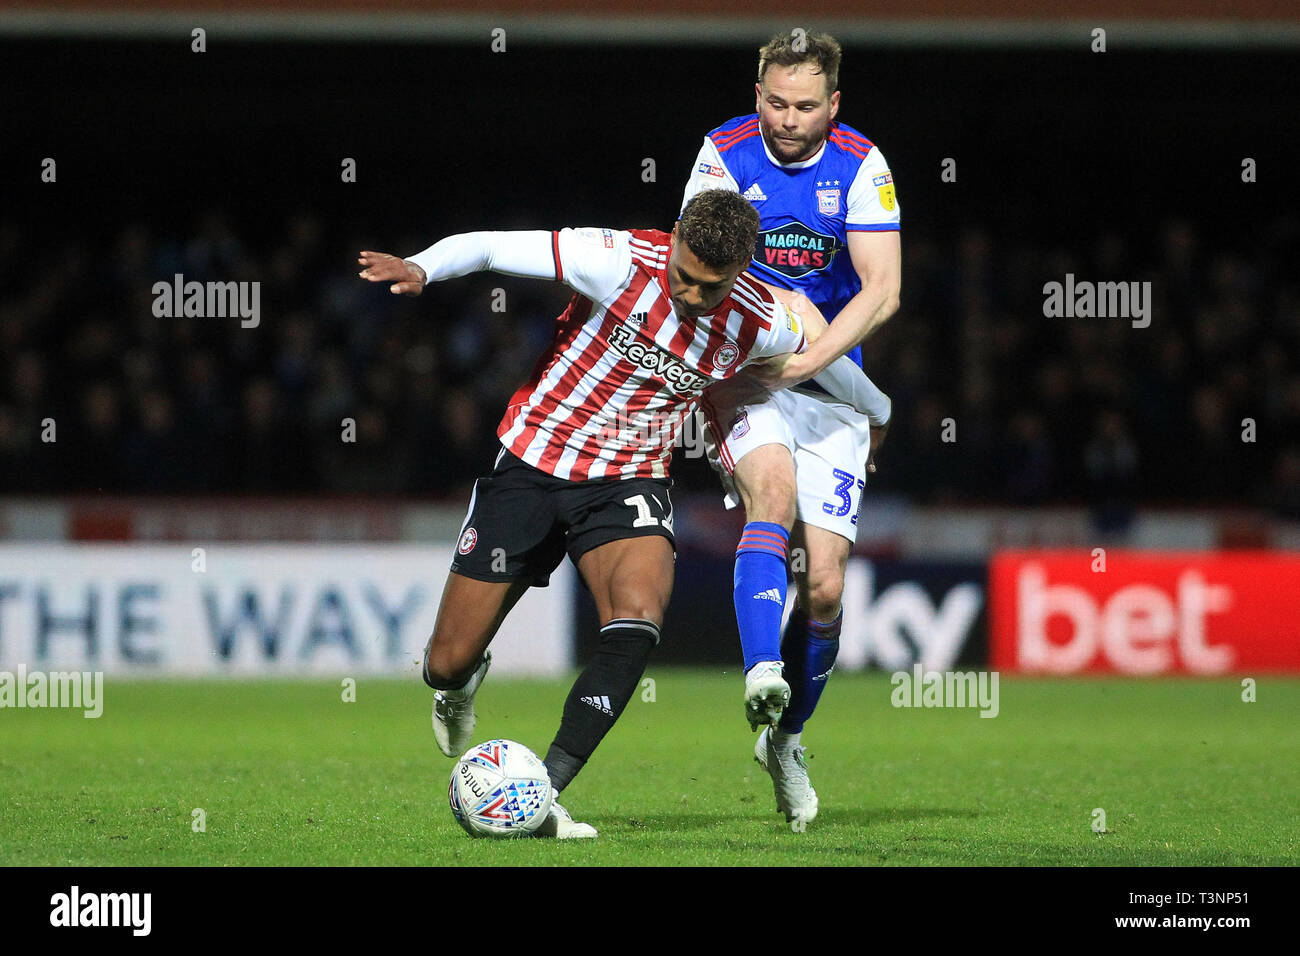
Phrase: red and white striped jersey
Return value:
(608, 398)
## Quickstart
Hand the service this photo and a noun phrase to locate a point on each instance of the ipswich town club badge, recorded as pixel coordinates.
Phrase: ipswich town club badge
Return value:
(740, 425)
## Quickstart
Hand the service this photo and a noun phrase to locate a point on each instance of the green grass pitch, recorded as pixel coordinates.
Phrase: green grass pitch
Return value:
(287, 773)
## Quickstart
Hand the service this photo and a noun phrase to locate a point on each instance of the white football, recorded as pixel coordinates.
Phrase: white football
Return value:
(500, 789)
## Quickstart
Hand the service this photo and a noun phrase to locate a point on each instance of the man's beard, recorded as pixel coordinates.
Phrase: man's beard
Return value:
(794, 151)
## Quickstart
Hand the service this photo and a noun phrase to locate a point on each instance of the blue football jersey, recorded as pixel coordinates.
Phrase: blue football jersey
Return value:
(806, 209)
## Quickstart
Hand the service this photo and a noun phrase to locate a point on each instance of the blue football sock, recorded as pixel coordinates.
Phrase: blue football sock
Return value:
(759, 590)
(809, 651)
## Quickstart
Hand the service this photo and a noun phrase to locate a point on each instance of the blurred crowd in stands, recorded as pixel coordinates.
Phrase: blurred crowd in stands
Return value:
(994, 402)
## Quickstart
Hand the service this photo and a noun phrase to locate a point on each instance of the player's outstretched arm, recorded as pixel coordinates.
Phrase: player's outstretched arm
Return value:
(530, 254)
(594, 262)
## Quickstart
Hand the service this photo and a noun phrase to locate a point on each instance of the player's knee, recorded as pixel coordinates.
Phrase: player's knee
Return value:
(824, 594)
(765, 479)
(444, 669)
(437, 675)
(639, 597)
(771, 499)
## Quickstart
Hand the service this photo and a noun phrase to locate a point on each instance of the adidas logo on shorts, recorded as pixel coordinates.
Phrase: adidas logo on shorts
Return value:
(771, 594)
(600, 703)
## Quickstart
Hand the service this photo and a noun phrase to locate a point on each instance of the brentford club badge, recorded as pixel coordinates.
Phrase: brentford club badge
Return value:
(467, 541)
(725, 356)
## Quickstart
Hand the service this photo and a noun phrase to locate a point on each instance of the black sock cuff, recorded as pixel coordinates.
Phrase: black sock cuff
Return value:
(631, 626)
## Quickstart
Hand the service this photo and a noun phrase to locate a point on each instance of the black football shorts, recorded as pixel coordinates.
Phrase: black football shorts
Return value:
(522, 521)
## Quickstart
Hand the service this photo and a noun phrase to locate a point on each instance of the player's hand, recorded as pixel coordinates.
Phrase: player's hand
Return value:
(877, 439)
(406, 277)
(780, 371)
(740, 389)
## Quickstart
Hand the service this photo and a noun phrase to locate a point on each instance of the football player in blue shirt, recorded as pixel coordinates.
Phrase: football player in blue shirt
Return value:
(797, 459)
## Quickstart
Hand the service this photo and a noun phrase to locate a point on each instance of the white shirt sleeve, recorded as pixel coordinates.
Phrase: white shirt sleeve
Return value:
(595, 262)
(710, 173)
(872, 203)
(847, 382)
(525, 254)
(591, 261)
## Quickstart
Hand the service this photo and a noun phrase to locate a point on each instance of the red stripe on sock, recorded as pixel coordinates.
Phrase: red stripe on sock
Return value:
(778, 552)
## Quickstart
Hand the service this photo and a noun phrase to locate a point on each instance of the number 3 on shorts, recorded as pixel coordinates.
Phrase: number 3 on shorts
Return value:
(843, 490)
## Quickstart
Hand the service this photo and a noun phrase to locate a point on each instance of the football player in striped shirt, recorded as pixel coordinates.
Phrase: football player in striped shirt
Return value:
(586, 444)
(798, 459)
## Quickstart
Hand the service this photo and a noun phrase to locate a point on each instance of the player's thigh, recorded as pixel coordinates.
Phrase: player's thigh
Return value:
(751, 448)
(765, 480)
(630, 578)
(510, 540)
(512, 529)
(818, 559)
(620, 537)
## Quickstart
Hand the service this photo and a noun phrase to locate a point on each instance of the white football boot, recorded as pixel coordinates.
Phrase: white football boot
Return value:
(766, 693)
(781, 756)
(453, 713)
(560, 825)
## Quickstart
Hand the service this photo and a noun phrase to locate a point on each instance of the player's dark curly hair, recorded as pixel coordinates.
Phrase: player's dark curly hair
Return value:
(720, 227)
(791, 49)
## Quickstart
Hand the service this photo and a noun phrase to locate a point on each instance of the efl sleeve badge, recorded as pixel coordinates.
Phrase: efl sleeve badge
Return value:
(884, 184)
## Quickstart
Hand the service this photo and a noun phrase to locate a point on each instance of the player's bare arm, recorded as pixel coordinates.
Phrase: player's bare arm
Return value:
(734, 392)
(406, 277)
(877, 259)
(772, 369)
